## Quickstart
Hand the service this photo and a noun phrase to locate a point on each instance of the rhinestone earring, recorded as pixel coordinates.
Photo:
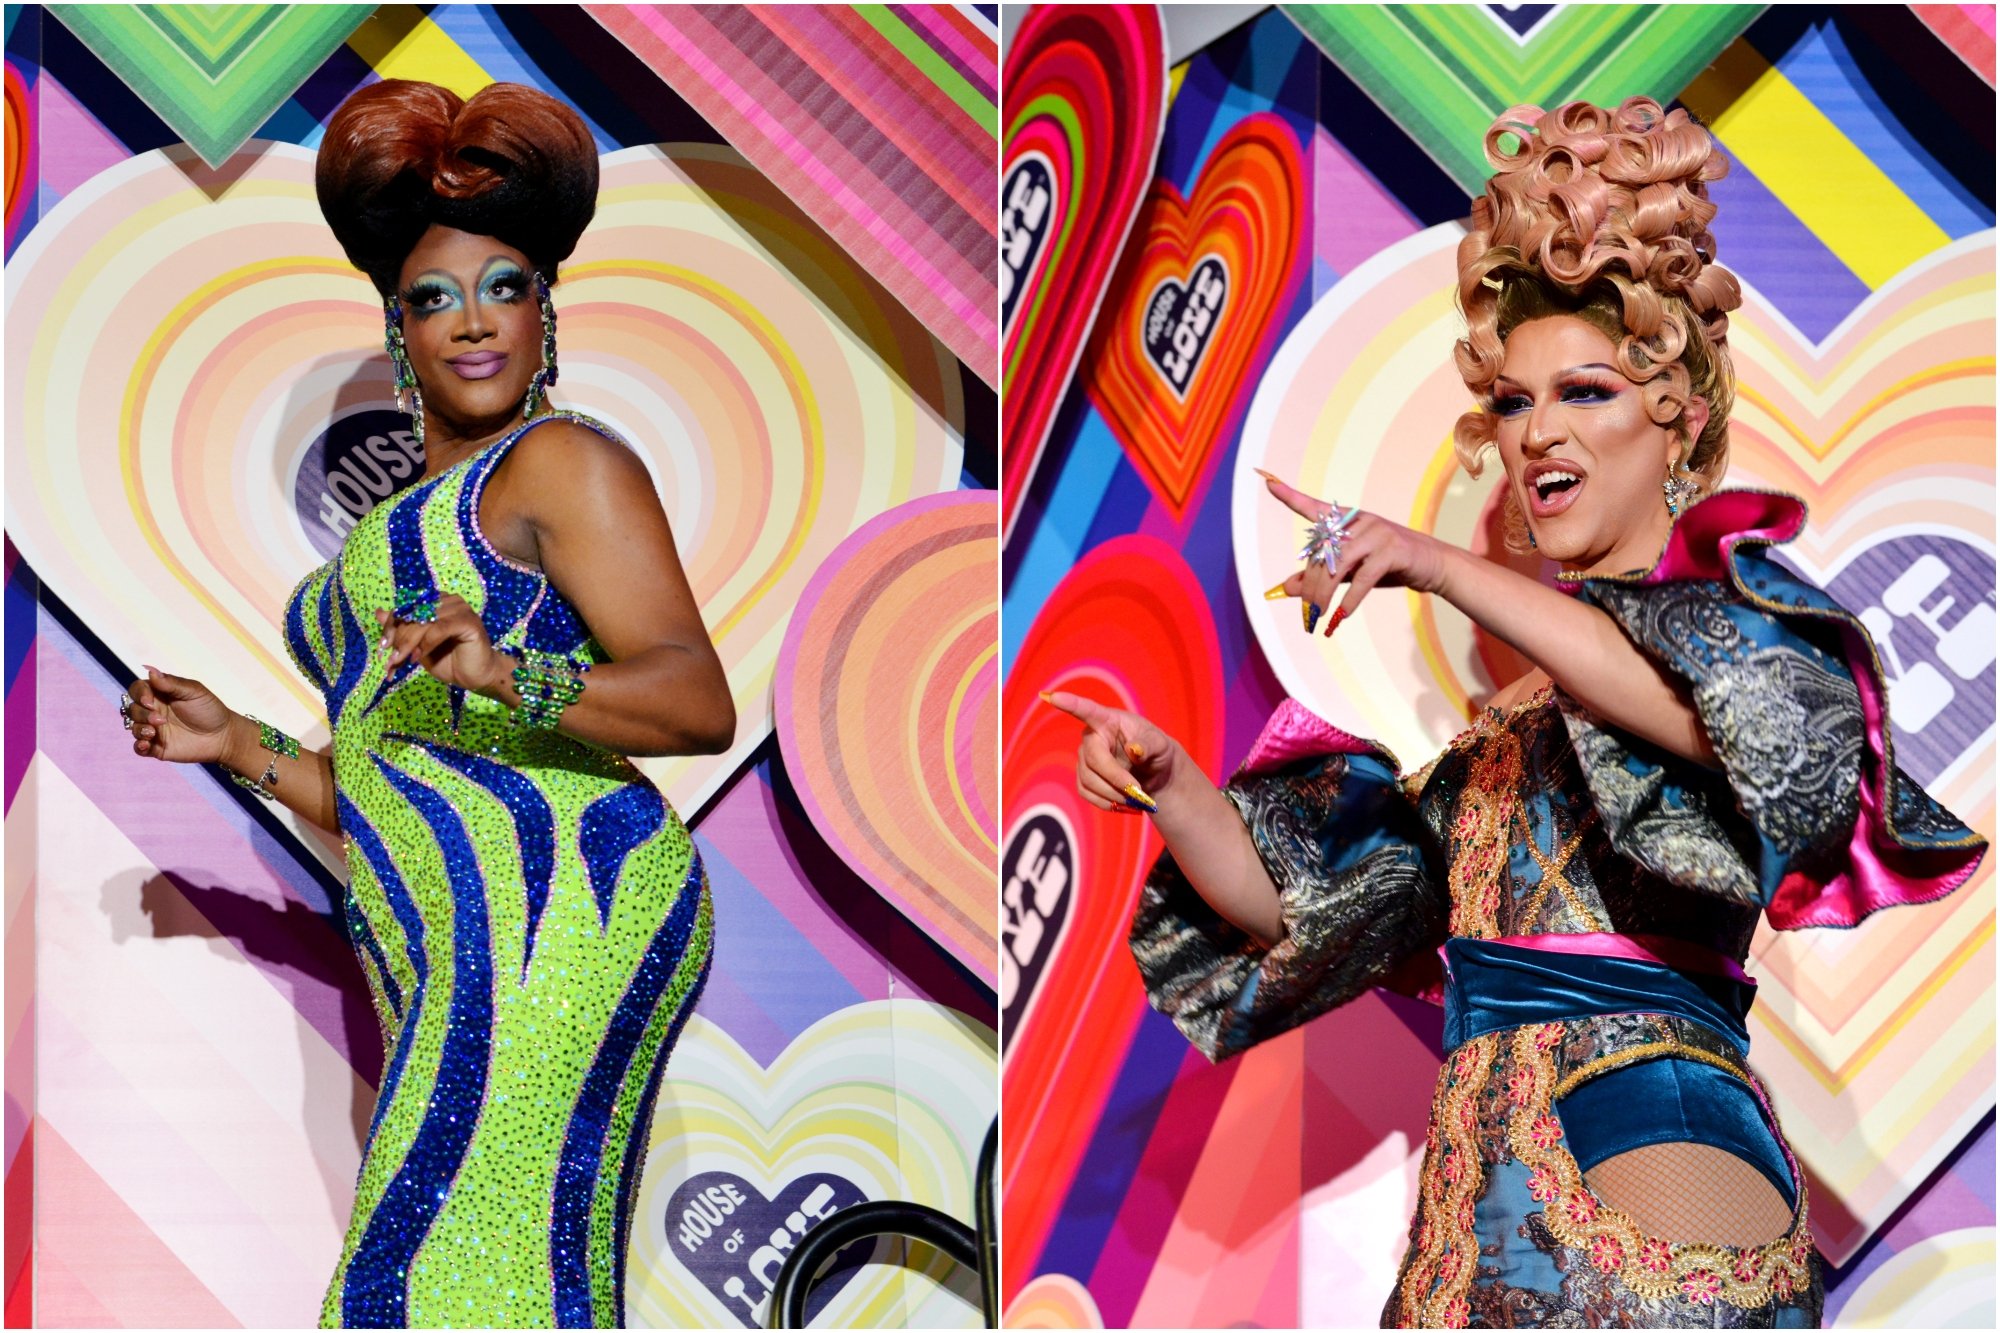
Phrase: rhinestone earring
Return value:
(1681, 490)
(538, 388)
(399, 359)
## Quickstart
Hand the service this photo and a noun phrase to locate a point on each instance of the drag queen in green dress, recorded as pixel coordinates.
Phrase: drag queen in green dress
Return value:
(492, 642)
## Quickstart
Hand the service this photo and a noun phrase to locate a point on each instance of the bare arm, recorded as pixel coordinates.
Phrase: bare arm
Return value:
(182, 722)
(1579, 647)
(602, 538)
(1574, 643)
(1208, 839)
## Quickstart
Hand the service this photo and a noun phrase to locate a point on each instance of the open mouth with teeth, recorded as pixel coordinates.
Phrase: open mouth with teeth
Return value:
(1553, 490)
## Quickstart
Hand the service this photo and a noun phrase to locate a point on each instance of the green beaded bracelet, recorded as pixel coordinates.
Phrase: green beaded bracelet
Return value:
(547, 683)
(278, 743)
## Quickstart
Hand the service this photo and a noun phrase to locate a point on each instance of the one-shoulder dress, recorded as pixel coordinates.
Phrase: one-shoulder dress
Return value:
(534, 925)
(1593, 899)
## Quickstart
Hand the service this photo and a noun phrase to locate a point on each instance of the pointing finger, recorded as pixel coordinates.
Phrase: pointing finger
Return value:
(1087, 711)
(1294, 499)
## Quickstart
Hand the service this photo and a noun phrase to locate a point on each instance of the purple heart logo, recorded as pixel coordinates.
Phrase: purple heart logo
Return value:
(1927, 601)
(725, 1232)
(359, 461)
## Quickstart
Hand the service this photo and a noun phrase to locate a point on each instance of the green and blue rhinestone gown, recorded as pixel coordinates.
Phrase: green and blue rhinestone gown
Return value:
(534, 925)
(1593, 899)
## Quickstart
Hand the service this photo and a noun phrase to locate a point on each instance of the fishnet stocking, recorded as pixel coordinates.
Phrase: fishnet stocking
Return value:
(1690, 1191)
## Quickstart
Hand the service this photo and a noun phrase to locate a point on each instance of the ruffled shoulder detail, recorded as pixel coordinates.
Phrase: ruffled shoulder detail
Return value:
(1793, 697)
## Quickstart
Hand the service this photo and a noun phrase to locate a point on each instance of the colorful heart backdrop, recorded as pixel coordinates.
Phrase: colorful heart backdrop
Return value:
(1150, 1188)
(199, 409)
(1086, 88)
(887, 706)
(1191, 314)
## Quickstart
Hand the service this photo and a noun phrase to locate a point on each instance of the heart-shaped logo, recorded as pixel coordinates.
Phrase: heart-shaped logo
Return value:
(1444, 73)
(1029, 211)
(1037, 880)
(735, 1240)
(194, 405)
(1886, 428)
(769, 1153)
(1927, 600)
(1086, 94)
(1198, 305)
(1181, 318)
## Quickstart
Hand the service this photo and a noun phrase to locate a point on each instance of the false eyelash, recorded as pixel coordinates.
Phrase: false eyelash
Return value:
(422, 292)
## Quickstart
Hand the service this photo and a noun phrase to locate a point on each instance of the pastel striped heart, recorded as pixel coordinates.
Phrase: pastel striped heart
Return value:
(886, 707)
(1086, 98)
(189, 343)
(832, 1102)
(1129, 627)
(1170, 375)
(1886, 428)
(1444, 73)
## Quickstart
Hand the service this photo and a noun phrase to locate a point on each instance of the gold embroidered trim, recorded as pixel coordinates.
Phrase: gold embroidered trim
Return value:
(1445, 1250)
(1604, 1064)
(1555, 875)
(1610, 1240)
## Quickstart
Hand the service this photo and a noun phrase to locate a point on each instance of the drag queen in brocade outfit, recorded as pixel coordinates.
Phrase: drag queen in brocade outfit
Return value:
(492, 642)
(1705, 739)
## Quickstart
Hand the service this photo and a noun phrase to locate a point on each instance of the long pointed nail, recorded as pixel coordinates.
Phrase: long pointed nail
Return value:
(1267, 476)
(1136, 750)
(1333, 621)
(1309, 612)
(1276, 593)
(1047, 696)
(1135, 796)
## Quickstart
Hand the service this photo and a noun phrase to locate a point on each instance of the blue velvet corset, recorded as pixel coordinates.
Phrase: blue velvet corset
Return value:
(1492, 987)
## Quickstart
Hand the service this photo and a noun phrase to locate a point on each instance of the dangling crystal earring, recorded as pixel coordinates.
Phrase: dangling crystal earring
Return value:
(1681, 491)
(538, 388)
(399, 359)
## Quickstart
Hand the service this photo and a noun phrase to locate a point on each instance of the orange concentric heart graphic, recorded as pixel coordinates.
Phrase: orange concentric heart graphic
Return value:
(1193, 311)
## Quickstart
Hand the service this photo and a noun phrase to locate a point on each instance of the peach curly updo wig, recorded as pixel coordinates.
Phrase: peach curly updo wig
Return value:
(511, 162)
(1603, 215)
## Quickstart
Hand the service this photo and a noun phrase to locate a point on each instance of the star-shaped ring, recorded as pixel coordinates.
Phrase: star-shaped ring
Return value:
(1324, 536)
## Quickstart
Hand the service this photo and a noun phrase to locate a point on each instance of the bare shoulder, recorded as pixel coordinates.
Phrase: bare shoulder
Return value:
(557, 446)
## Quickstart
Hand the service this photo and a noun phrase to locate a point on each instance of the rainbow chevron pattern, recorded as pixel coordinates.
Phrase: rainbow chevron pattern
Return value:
(1146, 1187)
(1446, 72)
(190, 1059)
(213, 72)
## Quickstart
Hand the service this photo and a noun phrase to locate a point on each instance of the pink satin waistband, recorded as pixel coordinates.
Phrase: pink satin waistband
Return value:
(1681, 955)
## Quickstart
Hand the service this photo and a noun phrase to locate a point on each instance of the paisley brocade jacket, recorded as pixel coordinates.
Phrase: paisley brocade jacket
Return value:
(1593, 899)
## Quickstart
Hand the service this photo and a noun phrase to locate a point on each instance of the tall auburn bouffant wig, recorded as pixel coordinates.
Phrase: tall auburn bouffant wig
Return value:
(1603, 215)
(512, 163)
